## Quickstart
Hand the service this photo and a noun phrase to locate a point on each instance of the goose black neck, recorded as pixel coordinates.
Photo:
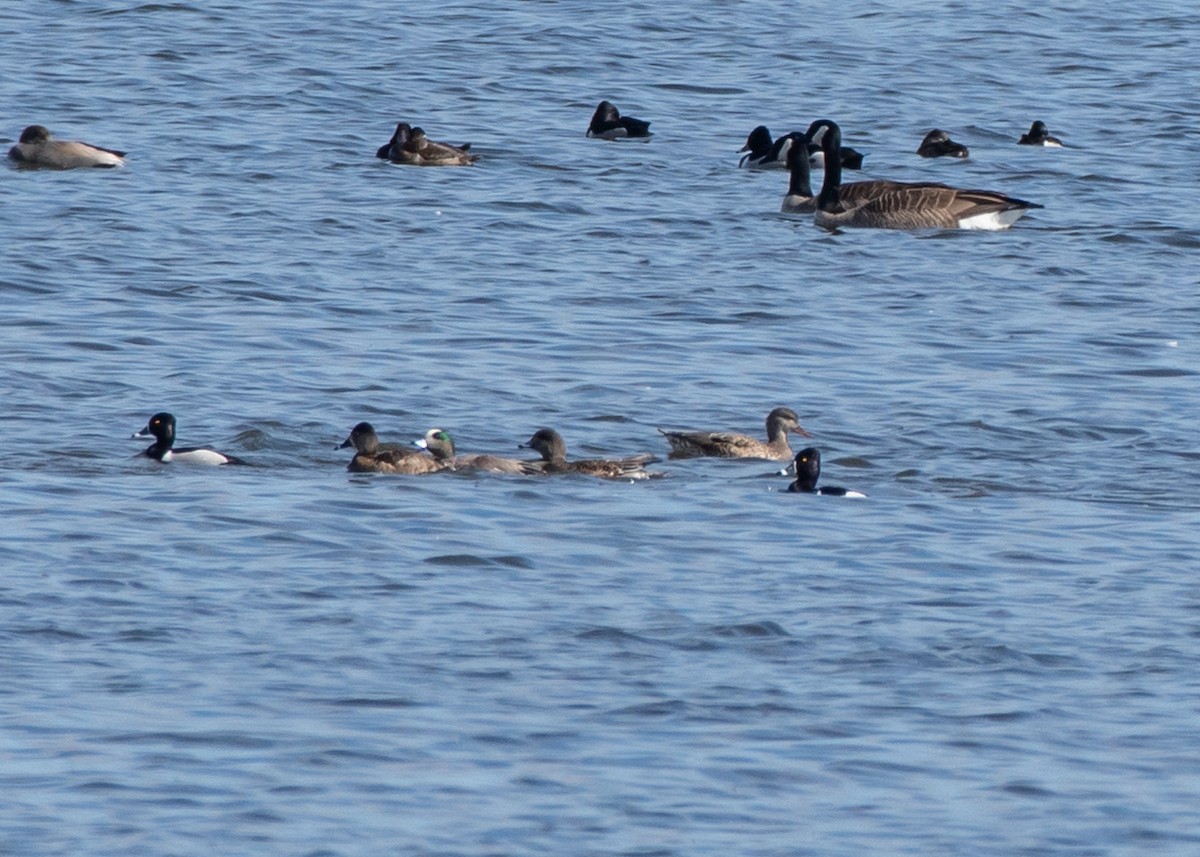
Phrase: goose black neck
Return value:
(831, 143)
(800, 182)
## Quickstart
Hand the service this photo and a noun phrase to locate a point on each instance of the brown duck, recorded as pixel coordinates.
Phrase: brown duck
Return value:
(370, 457)
(553, 450)
(727, 444)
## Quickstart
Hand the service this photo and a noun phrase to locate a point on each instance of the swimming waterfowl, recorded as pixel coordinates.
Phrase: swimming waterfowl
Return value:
(808, 472)
(764, 153)
(411, 145)
(608, 124)
(850, 159)
(937, 144)
(911, 205)
(441, 446)
(800, 199)
(161, 427)
(371, 457)
(1039, 135)
(725, 444)
(38, 149)
(553, 450)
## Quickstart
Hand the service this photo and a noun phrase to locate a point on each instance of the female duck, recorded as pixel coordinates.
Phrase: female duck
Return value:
(937, 144)
(410, 145)
(38, 149)
(553, 450)
(441, 446)
(906, 205)
(162, 428)
(1039, 135)
(808, 472)
(371, 457)
(725, 444)
(608, 124)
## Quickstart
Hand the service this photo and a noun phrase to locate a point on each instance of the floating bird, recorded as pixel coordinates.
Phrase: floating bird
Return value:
(726, 444)
(553, 450)
(38, 149)
(372, 457)
(441, 446)
(161, 427)
(937, 144)
(1039, 135)
(808, 472)
(410, 145)
(908, 205)
(608, 124)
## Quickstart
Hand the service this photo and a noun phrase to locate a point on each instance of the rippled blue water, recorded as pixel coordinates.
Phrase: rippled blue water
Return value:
(997, 653)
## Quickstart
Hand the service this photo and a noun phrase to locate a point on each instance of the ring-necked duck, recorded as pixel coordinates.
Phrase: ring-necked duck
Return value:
(1039, 135)
(608, 124)
(553, 450)
(410, 145)
(162, 428)
(372, 457)
(764, 153)
(37, 149)
(937, 144)
(910, 205)
(441, 446)
(725, 444)
(808, 473)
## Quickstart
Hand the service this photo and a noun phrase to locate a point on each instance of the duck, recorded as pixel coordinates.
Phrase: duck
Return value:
(37, 148)
(372, 457)
(762, 152)
(161, 427)
(411, 145)
(808, 472)
(608, 124)
(553, 449)
(1039, 135)
(441, 447)
(851, 159)
(726, 444)
(911, 205)
(937, 144)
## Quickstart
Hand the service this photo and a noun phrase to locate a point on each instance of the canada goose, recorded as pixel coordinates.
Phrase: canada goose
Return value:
(37, 148)
(608, 124)
(850, 159)
(410, 145)
(1039, 135)
(727, 444)
(911, 205)
(800, 199)
(937, 144)
(553, 450)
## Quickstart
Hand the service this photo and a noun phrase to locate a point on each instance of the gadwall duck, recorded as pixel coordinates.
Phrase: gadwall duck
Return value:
(553, 450)
(727, 444)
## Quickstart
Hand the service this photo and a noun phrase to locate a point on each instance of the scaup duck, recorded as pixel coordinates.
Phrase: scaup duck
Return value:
(911, 205)
(1039, 135)
(553, 450)
(937, 144)
(371, 457)
(441, 446)
(37, 149)
(725, 444)
(608, 124)
(162, 428)
(808, 472)
(411, 145)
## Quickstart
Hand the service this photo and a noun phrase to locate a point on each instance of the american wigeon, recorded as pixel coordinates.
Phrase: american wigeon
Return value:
(441, 447)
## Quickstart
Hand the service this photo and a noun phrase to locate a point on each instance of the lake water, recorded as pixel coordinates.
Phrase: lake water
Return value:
(996, 653)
